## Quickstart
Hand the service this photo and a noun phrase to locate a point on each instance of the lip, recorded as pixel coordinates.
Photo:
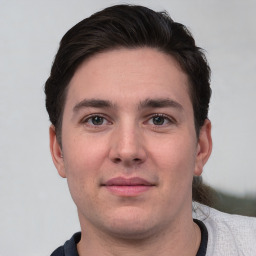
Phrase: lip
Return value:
(134, 181)
(128, 187)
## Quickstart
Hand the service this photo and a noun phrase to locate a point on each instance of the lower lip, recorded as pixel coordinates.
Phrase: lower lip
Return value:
(128, 190)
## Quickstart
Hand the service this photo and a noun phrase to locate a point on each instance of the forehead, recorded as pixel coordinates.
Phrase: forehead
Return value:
(133, 74)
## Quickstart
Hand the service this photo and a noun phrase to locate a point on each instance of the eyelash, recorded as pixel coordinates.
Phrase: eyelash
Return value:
(90, 117)
(167, 118)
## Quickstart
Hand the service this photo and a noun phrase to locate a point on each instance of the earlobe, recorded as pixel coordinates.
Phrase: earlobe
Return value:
(204, 147)
(56, 152)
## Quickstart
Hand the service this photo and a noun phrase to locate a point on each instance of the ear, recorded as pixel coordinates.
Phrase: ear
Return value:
(56, 152)
(204, 147)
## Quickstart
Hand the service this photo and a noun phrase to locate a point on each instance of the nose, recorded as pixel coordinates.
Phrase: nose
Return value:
(127, 147)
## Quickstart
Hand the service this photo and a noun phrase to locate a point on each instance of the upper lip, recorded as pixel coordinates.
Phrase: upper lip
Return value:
(134, 181)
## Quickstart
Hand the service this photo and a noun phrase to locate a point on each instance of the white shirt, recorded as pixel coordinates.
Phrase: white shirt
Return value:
(228, 234)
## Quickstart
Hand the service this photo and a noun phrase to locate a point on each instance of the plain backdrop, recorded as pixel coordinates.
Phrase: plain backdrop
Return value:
(37, 213)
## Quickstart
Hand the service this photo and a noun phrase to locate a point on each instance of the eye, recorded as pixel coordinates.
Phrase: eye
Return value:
(96, 120)
(160, 120)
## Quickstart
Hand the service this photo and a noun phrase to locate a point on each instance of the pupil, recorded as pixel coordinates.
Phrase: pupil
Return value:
(158, 120)
(97, 120)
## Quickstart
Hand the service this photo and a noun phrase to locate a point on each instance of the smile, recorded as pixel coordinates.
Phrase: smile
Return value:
(128, 187)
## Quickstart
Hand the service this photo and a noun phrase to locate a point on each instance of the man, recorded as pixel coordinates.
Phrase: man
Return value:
(128, 99)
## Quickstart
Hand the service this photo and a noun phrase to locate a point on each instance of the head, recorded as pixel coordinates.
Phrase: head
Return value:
(131, 27)
(128, 100)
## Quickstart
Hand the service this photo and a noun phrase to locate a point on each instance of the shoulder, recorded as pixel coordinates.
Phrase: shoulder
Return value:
(58, 252)
(69, 248)
(236, 224)
(228, 234)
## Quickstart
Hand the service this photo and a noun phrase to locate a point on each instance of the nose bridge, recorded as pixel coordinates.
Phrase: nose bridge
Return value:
(128, 138)
(127, 143)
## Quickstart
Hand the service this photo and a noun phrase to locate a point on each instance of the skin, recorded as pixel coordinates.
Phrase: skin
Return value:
(142, 127)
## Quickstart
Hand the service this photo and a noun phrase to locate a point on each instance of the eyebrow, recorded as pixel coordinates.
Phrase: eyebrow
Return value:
(93, 103)
(147, 103)
(160, 103)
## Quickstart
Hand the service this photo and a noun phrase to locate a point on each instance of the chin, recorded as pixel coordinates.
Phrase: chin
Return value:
(131, 226)
(131, 232)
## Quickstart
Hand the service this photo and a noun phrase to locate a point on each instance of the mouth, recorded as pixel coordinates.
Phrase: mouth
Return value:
(128, 187)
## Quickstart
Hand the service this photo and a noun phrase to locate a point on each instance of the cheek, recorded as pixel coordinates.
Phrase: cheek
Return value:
(83, 159)
(84, 154)
(175, 150)
(175, 159)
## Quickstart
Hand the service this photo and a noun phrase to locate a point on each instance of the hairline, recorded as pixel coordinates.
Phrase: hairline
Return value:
(174, 55)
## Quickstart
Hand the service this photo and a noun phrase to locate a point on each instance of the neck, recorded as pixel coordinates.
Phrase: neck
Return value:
(181, 238)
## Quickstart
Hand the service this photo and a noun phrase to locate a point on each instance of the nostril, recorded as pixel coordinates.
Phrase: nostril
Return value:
(117, 160)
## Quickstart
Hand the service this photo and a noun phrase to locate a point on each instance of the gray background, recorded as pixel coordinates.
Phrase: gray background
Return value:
(37, 213)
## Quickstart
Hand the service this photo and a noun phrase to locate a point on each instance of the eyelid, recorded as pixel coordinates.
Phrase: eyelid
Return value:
(171, 120)
(164, 115)
(85, 119)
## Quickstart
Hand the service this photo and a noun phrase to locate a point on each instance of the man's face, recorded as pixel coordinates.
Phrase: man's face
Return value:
(129, 143)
